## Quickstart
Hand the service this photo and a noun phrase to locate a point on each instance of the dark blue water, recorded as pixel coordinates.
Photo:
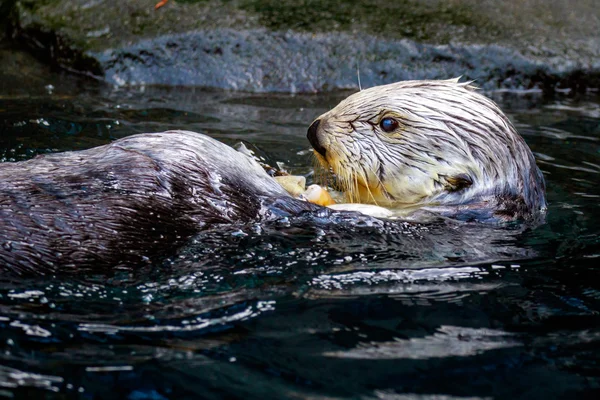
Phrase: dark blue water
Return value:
(309, 308)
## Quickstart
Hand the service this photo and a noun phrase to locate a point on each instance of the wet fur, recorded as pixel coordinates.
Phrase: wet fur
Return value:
(134, 200)
(454, 152)
(137, 199)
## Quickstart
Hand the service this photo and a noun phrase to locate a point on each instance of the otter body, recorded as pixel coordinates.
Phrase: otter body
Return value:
(130, 201)
(435, 145)
(432, 145)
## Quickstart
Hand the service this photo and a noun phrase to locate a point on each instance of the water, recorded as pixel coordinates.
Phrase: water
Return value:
(310, 308)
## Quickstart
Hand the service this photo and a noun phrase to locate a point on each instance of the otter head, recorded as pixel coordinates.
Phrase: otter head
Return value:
(428, 143)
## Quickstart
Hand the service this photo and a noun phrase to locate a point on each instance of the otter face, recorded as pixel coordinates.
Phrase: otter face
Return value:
(415, 143)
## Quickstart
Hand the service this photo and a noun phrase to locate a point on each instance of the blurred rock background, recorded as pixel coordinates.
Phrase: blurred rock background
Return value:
(307, 45)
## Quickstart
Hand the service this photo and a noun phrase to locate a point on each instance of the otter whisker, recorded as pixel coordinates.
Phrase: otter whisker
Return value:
(319, 170)
(358, 74)
(343, 180)
(379, 184)
(355, 189)
(360, 173)
(345, 183)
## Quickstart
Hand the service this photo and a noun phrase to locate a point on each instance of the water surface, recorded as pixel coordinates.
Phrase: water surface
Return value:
(310, 308)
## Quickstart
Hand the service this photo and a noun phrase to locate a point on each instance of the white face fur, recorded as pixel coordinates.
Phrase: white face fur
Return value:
(424, 143)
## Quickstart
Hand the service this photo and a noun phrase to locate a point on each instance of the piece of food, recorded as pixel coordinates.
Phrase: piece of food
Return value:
(318, 195)
(295, 185)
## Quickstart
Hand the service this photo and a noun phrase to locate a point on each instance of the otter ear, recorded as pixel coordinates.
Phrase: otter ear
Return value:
(457, 182)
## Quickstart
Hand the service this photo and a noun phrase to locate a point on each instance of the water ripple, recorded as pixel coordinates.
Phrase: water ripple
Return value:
(13, 378)
(448, 341)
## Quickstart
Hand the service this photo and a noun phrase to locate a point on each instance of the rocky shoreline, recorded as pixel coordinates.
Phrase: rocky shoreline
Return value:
(304, 46)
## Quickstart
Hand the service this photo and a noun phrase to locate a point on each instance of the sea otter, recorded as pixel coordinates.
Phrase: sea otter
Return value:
(131, 201)
(434, 144)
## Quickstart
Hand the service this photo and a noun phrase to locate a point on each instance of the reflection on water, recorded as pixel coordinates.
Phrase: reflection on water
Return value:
(447, 341)
(311, 306)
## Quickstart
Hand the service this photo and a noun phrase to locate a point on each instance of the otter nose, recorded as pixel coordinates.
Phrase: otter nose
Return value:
(313, 138)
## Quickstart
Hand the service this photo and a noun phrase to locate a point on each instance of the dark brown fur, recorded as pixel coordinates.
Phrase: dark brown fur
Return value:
(132, 201)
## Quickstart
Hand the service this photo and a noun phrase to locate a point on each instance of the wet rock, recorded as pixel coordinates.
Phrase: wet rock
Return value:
(311, 46)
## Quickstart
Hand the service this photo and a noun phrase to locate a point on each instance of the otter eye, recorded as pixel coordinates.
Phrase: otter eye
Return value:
(388, 124)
